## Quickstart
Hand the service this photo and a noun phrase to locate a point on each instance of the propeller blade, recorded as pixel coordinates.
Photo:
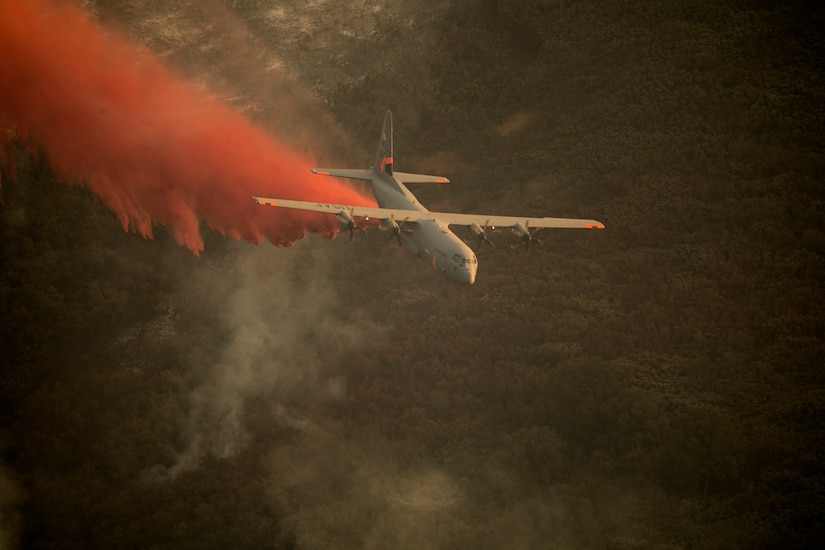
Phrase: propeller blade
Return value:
(396, 229)
(480, 238)
(352, 231)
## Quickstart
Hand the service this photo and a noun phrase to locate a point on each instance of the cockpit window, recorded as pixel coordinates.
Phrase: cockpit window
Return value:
(470, 261)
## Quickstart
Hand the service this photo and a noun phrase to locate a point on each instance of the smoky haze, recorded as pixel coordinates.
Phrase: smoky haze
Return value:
(273, 351)
(280, 349)
(267, 331)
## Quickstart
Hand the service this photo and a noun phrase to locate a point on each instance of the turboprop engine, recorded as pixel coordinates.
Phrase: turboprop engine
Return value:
(526, 236)
(347, 223)
(397, 230)
(480, 235)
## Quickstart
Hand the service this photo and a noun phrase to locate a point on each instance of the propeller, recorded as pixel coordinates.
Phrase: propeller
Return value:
(480, 236)
(526, 235)
(397, 229)
(348, 222)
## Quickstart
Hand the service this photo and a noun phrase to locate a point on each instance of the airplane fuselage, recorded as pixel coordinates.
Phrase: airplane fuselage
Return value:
(428, 239)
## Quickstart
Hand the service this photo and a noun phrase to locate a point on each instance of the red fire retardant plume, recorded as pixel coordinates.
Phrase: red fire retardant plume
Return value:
(155, 148)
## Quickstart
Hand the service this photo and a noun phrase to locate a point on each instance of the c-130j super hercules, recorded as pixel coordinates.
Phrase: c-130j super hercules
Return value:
(423, 233)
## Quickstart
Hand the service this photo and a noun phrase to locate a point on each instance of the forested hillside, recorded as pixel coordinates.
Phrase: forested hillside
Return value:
(657, 384)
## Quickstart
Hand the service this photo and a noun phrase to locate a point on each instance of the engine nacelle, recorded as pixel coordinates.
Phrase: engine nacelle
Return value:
(346, 221)
(402, 235)
(521, 231)
(480, 236)
(527, 237)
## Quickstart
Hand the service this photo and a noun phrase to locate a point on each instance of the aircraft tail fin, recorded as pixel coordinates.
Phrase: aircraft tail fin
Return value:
(383, 164)
(383, 156)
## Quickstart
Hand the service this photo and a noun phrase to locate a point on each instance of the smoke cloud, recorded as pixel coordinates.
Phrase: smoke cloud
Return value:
(268, 337)
(155, 148)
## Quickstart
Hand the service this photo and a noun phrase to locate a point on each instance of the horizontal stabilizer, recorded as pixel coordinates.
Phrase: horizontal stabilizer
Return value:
(404, 177)
(353, 174)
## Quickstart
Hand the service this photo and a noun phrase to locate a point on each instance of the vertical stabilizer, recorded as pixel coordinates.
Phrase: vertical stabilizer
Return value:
(383, 157)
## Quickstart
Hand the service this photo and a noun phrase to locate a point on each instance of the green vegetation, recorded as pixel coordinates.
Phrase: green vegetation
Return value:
(658, 384)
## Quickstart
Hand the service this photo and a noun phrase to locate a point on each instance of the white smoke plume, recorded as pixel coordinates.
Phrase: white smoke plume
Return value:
(271, 330)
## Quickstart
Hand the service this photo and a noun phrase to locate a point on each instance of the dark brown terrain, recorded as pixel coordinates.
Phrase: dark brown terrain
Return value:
(658, 384)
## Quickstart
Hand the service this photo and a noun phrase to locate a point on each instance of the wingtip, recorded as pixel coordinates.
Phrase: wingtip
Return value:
(595, 225)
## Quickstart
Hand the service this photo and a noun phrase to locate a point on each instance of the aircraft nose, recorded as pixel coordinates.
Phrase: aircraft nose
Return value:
(462, 276)
(468, 276)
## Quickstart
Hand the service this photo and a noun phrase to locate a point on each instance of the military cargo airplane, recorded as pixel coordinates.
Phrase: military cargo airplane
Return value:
(421, 232)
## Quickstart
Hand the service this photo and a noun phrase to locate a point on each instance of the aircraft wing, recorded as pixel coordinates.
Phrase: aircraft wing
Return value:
(448, 218)
(354, 211)
(484, 220)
